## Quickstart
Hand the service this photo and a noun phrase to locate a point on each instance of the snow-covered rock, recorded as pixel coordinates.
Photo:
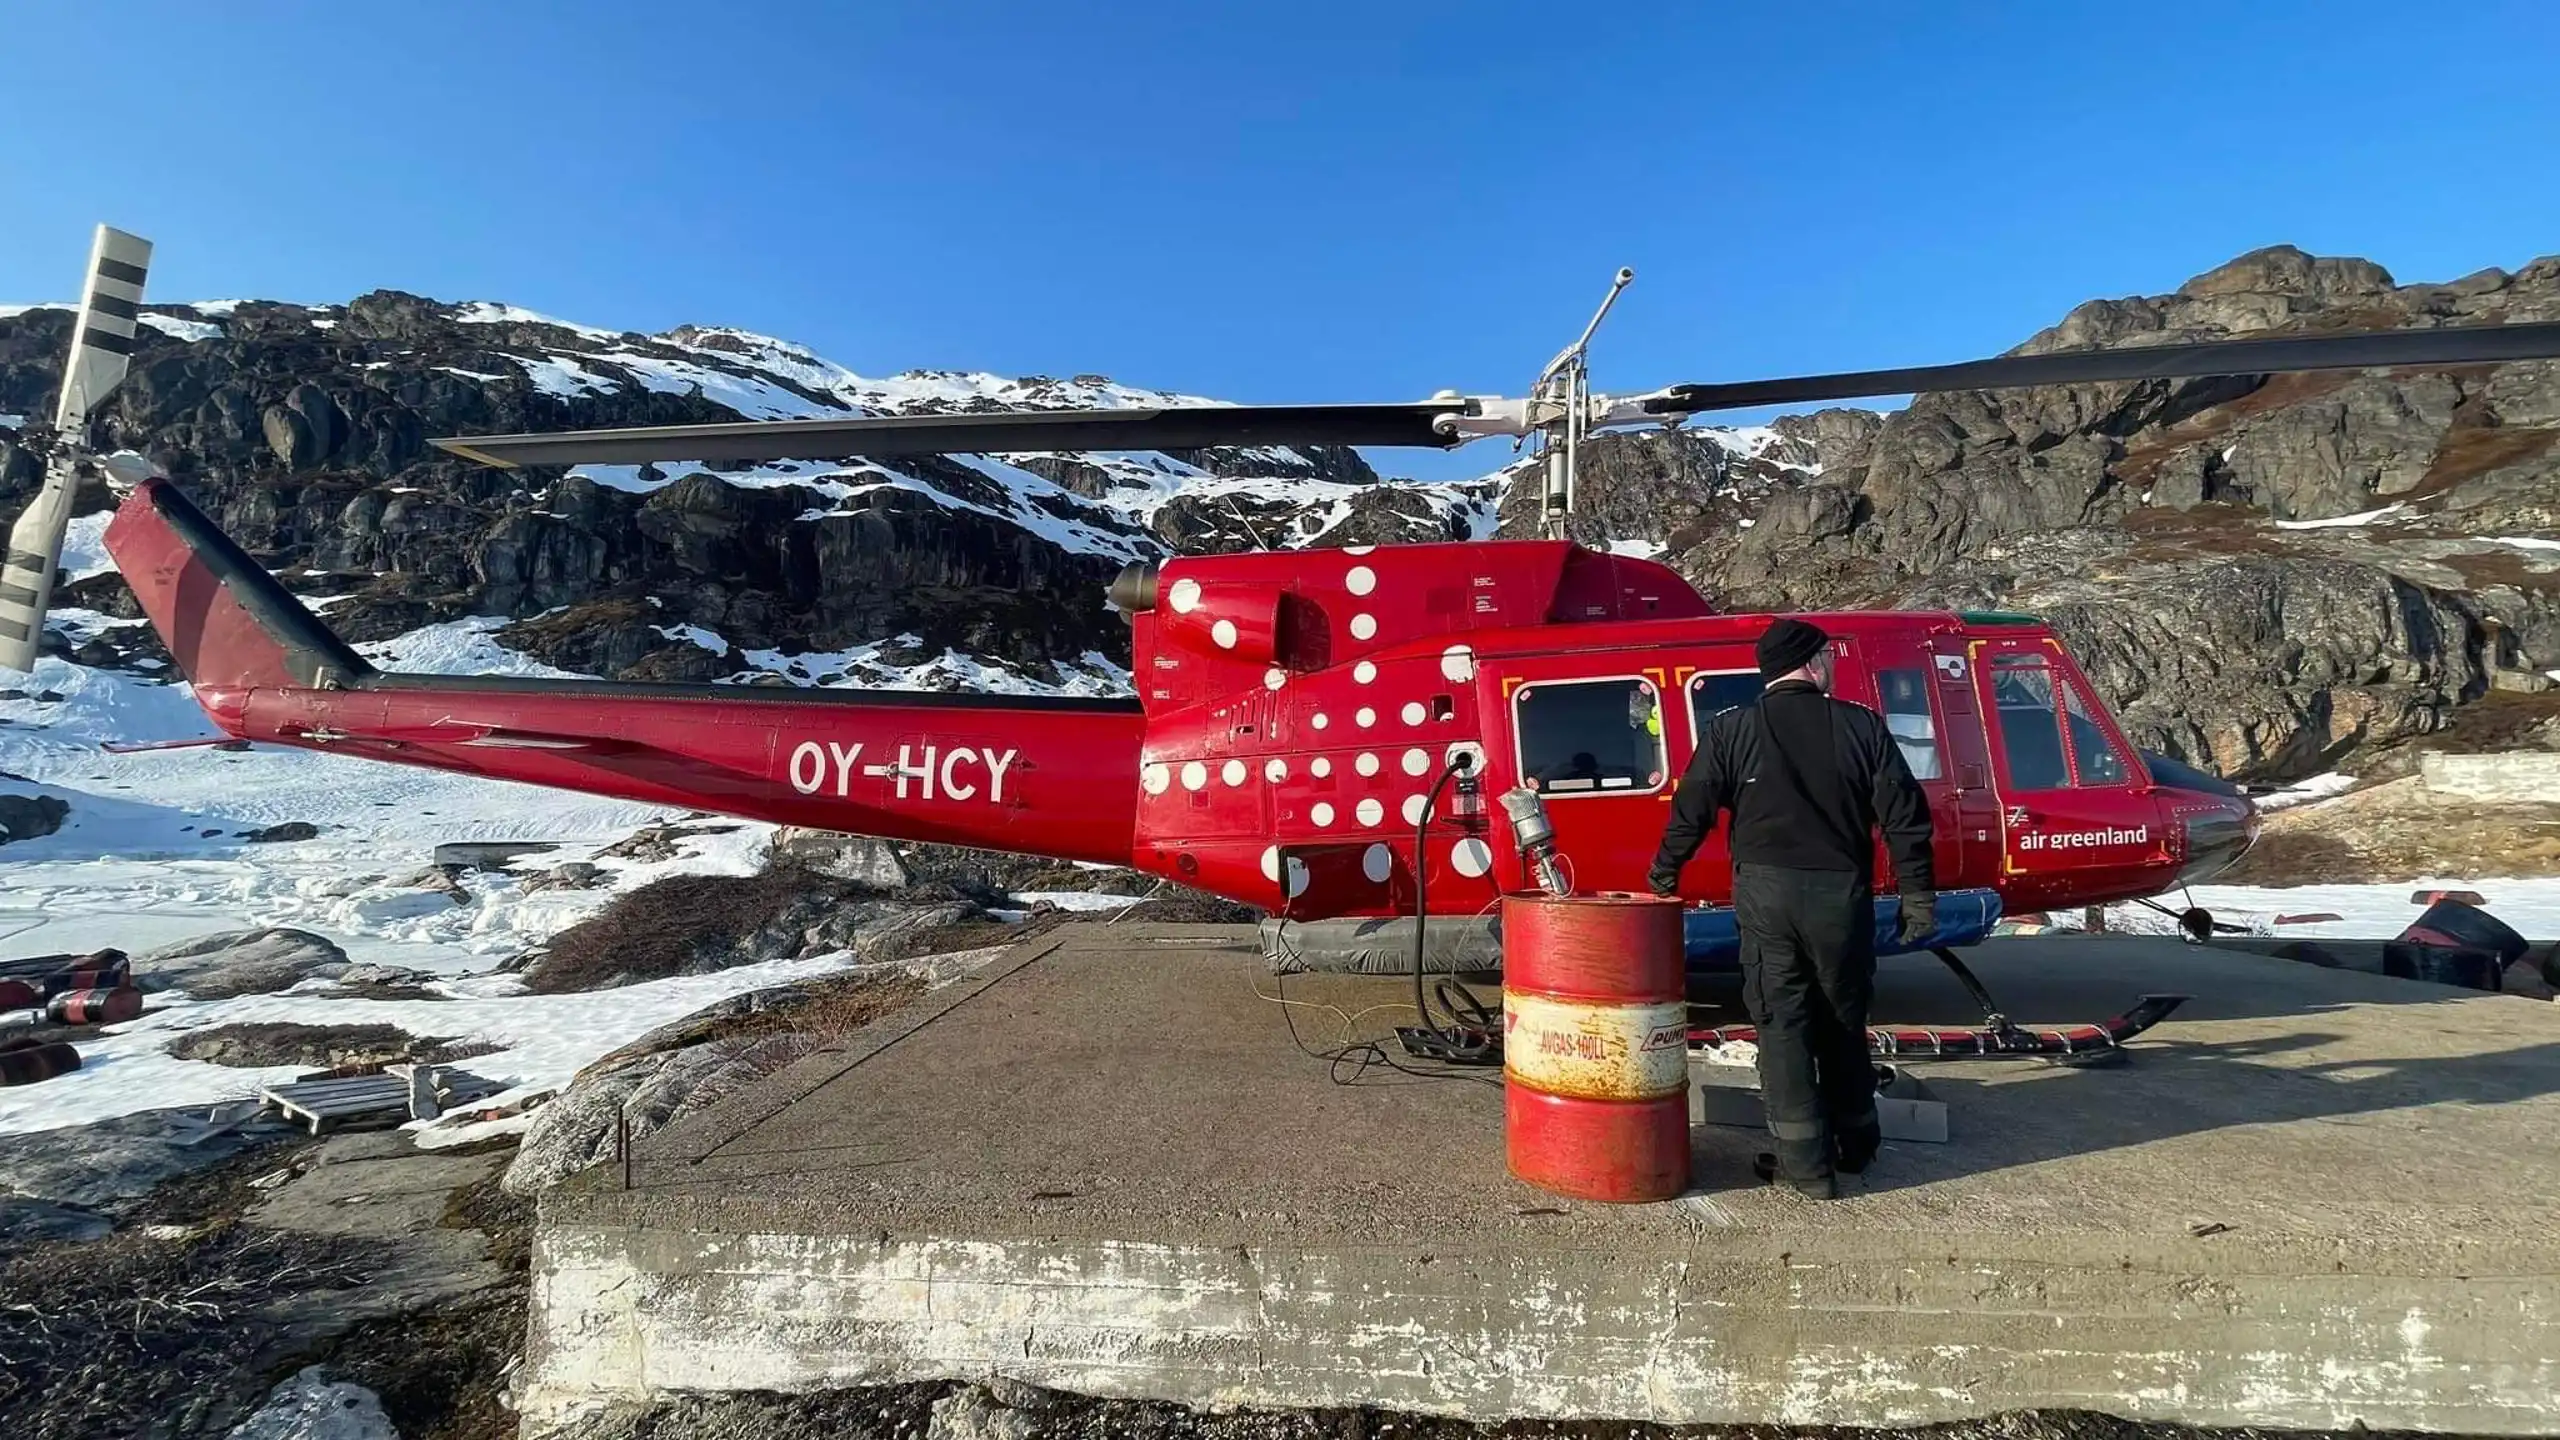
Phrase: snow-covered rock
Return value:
(242, 962)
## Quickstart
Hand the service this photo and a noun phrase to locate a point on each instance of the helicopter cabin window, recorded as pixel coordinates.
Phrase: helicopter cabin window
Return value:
(1580, 737)
(2030, 728)
(1906, 713)
(1711, 695)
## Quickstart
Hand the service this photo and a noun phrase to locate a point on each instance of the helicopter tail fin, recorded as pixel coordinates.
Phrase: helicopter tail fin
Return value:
(227, 622)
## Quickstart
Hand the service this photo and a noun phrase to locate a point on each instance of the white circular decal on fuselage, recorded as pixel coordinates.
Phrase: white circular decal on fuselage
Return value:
(1471, 857)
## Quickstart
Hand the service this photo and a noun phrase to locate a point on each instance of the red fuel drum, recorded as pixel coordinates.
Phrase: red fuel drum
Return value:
(1595, 1053)
(97, 1007)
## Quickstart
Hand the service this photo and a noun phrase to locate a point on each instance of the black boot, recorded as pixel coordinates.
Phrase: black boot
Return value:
(1854, 1146)
(1816, 1187)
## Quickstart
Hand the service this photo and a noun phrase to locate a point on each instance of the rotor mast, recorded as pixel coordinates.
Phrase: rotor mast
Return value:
(1560, 407)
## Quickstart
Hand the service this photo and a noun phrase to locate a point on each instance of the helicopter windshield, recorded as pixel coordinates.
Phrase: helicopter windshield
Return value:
(2032, 725)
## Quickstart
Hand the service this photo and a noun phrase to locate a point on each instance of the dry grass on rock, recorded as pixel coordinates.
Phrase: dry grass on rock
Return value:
(121, 1335)
(255, 1045)
(684, 924)
(2400, 831)
(822, 1010)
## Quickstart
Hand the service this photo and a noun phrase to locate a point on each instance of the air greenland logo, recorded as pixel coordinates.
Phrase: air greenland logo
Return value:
(2084, 839)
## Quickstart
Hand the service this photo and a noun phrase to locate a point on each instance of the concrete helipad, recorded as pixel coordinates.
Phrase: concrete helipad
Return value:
(2313, 1197)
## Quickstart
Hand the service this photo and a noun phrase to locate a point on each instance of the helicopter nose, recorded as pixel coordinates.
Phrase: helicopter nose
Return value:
(2214, 818)
(2219, 829)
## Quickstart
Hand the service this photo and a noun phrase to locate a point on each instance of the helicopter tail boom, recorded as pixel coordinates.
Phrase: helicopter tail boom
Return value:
(1036, 775)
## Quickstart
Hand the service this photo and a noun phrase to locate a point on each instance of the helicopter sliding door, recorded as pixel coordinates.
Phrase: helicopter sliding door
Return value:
(2072, 803)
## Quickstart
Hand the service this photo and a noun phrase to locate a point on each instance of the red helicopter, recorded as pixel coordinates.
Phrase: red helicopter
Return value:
(1313, 730)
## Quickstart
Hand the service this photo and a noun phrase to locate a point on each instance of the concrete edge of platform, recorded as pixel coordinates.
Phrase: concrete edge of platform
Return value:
(623, 1314)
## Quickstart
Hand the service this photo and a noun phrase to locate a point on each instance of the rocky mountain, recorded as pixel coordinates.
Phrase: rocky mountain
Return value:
(2262, 574)
(303, 430)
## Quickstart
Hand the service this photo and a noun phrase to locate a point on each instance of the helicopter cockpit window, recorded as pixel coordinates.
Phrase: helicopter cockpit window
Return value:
(2095, 754)
(2030, 725)
(1580, 737)
(1713, 694)
(1906, 713)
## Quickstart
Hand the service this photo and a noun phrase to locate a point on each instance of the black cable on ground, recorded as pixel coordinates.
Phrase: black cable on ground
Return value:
(1453, 1043)
(1359, 1056)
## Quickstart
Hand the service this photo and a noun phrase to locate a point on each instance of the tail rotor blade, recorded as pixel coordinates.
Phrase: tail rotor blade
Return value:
(26, 577)
(101, 342)
(110, 308)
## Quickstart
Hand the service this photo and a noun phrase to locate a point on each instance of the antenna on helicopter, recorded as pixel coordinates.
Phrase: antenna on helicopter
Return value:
(1560, 406)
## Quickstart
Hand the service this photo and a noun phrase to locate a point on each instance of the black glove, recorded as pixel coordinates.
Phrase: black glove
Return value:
(1919, 916)
(1661, 883)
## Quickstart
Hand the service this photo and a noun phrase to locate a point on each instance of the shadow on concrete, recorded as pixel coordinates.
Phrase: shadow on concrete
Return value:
(2263, 1043)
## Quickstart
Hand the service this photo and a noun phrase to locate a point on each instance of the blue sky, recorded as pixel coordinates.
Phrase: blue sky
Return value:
(1286, 202)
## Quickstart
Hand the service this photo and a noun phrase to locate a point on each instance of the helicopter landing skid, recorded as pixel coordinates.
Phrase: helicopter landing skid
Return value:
(1997, 1037)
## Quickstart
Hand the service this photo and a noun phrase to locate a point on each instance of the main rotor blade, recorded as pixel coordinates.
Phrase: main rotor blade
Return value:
(2356, 350)
(101, 339)
(994, 432)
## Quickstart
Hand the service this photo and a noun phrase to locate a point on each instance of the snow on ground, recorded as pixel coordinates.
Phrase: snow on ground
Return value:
(565, 379)
(2305, 792)
(695, 635)
(187, 330)
(484, 312)
(459, 647)
(547, 1039)
(84, 547)
(153, 853)
(1754, 442)
(1077, 899)
(2530, 907)
(2526, 542)
(827, 480)
(2340, 522)
(866, 666)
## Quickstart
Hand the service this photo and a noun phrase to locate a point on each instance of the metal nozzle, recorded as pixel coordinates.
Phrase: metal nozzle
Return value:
(1537, 838)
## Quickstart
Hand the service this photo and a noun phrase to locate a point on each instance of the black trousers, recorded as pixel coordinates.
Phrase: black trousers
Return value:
(1808, 977)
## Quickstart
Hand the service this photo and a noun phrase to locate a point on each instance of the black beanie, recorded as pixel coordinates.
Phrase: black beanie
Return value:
(1787, 645)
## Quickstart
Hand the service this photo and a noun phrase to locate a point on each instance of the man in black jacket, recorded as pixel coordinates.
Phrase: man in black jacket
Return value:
(1809, 780)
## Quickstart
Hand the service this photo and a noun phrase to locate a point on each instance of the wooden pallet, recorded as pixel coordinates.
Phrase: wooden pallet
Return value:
(413, 1092)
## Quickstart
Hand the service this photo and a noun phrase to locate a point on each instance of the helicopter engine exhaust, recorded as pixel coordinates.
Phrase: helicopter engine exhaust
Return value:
(1133, 590)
